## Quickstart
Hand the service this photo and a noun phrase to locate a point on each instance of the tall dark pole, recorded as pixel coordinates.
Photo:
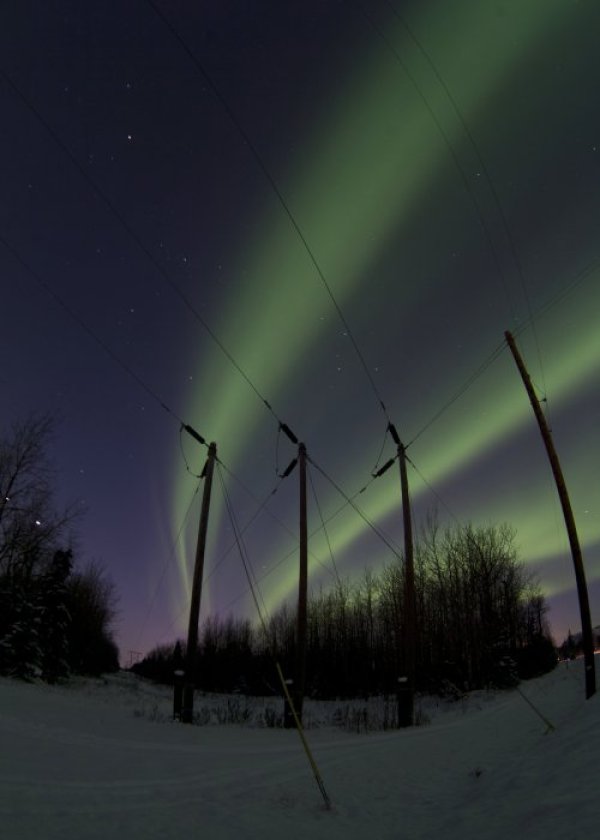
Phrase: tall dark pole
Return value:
(406, 694)
(187, 712)
(302, 587)
(582, 592)
(297, 692)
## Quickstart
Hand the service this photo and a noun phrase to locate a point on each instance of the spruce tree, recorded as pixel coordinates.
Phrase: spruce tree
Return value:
(20, 650)
(55, 617)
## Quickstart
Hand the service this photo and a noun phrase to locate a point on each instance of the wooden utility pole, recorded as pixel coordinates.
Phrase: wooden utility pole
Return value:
(302, 587)
(297, 692)
(406, 687)
(187, 712)
(582, 592)
(408, 641)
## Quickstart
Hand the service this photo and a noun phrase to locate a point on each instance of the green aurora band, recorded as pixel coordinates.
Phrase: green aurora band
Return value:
(351, 192)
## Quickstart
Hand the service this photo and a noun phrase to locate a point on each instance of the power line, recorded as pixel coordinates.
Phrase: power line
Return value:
(131, 232)
(313, 533)
(433, 490)
(350, 501)
(276, 190)
(484, 169)
(462, 390)
(324, 527)
(383, 442)
(238, 532)
(453, 154)
(166, 566)
(277, 519)
(251, 577)
(254, 589)
(579, 278)
(183, 455)
(561, 294)
(124, 366)
(262, 506)
(86, 328)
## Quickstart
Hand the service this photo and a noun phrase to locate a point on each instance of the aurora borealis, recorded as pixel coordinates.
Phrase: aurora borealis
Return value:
(442, 161)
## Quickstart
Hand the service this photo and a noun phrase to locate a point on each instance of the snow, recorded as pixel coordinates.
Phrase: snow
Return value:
(101, 758)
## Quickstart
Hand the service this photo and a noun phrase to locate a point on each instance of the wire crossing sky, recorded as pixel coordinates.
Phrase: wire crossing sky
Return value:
(373, 122)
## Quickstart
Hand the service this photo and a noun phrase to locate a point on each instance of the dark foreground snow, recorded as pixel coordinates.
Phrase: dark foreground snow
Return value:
(99, 760)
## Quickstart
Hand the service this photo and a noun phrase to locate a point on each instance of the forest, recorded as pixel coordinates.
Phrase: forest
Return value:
(55, 617)
(480, 616)
(480, 619)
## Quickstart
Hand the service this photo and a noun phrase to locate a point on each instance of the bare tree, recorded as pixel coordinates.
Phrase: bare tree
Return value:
(31, 529)
(92, 602)
(52, 619)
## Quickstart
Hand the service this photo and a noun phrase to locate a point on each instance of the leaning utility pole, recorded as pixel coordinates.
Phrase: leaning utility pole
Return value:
(582, 592)
(187, 712)
(406, 683)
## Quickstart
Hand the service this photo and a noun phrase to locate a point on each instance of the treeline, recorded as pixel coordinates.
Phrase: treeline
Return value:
(54, 619)
(480, 622)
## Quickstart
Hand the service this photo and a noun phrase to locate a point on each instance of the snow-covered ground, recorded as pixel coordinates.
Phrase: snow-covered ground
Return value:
(101, 759)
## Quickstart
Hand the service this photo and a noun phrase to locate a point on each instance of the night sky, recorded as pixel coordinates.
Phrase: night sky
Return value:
(438, 160)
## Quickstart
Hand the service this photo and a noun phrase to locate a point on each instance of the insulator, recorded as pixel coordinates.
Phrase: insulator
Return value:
(194, 434)
(289, 468)
(383, 469)
(394, 434)
(287, 431)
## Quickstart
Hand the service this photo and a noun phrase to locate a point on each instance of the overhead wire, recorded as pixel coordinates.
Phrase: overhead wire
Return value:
(560, 295)
(259, 160)
(136, 238)
(277, 519)
(74, 315)
(463, 175)
(349, 501)
(163, 273)
(249, 571)
(433, 490)
(260, 578)
(485, 171)
(131, 232)
(111, 206)
(324, 526)
(189, 304)
(183, 455)
(274, 186)
(262, 506)
(383, 442)
(124, 366)
(495, 354)
(465, 529)
(469, 190)
(583, 274)
(87, 329)
(255, 590)
(166, 565)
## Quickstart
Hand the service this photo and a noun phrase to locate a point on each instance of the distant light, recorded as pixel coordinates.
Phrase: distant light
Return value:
(37, 522)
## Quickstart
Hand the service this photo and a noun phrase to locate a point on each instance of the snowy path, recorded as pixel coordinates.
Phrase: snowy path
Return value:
(77, 763)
